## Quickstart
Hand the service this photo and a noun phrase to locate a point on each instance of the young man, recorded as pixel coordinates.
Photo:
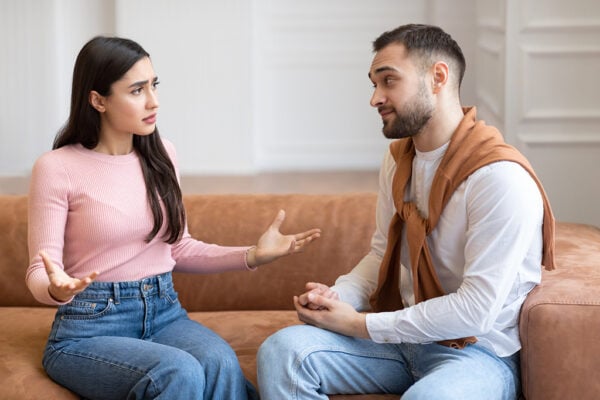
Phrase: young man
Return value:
(463, 227)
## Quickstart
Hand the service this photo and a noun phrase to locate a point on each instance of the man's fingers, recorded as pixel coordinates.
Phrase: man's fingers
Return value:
(302, 299)
(319, 301)
(316, 286)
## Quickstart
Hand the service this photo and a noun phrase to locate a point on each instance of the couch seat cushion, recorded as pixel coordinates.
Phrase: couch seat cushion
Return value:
(25, 331)
(23, 335)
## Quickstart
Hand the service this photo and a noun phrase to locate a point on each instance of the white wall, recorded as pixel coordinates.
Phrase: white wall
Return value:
(40, 40)
(274, 85)
(247, 86)
(311, 98)
(537, 80)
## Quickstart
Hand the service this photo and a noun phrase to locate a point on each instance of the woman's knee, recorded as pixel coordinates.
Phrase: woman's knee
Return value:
(181, 363)
(221, 357)
(177, 373)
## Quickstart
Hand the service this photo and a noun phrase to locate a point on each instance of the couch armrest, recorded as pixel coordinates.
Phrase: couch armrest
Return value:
(560, 321)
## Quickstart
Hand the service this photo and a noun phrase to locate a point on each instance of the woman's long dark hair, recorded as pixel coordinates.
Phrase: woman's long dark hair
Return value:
(101, 62)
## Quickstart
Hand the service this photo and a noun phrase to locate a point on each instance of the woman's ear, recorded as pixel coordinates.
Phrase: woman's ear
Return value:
(97, 101)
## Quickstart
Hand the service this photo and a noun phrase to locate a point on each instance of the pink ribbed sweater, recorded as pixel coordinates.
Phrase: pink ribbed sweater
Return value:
(89, 212)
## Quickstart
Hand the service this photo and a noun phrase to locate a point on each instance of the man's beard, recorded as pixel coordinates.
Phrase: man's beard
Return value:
(413, 117)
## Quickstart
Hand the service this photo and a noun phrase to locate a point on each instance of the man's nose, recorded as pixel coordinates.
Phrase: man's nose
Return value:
(377, 99)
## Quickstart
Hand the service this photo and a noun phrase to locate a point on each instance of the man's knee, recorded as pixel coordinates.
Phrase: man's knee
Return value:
(282, 346)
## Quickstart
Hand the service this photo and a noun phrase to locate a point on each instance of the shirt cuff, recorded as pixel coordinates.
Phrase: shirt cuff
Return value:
(381, 327)
(249, 268)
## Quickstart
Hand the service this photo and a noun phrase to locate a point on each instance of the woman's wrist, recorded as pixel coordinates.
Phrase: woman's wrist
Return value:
(56, 298)
(251, 261)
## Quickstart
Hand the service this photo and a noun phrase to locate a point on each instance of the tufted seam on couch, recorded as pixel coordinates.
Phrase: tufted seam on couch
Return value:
(566, 302)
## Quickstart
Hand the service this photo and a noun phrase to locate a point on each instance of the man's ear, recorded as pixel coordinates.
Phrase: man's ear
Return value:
(97, 101)
(440, 75)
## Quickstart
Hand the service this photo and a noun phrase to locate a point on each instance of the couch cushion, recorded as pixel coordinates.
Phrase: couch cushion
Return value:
(560, 321)
(25, 331)
(22, 338)
(13, 248)
(245, 332)
(347, 223)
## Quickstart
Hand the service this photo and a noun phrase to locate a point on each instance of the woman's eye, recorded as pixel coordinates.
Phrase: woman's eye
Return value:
(136, 91)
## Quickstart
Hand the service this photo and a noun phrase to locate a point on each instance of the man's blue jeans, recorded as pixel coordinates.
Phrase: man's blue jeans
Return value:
(304, 362)
(133, 340)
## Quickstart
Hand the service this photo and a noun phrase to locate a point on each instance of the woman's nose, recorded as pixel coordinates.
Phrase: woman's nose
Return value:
(152, 100)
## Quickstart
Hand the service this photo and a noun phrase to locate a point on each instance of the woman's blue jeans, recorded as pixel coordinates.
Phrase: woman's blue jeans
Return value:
(133, 340)
(304, 362)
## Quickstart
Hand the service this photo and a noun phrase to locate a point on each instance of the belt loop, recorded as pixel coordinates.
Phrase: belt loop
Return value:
(116, 293)
(165, 284)
(161, 286)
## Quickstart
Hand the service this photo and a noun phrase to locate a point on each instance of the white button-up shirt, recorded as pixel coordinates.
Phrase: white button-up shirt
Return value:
(486, 249)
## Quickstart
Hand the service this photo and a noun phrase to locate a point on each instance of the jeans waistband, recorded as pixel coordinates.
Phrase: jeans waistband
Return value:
(157, 284)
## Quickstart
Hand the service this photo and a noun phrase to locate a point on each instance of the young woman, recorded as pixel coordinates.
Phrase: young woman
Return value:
(106, 228)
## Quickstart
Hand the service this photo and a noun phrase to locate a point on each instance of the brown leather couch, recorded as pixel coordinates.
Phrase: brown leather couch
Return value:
(560, 322)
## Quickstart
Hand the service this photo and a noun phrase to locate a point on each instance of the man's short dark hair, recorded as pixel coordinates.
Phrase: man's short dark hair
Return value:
(426, 41)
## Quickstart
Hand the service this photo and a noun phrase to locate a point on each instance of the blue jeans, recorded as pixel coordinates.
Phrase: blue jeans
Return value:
(304, 362)
(133, 340)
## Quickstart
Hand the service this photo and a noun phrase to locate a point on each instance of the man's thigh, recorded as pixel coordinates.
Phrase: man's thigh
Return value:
(317, 360)
(471, 373)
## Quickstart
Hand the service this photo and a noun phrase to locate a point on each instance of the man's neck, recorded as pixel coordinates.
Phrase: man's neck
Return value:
(440, 129)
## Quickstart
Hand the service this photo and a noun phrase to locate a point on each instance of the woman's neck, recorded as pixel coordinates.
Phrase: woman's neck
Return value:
(115, 146)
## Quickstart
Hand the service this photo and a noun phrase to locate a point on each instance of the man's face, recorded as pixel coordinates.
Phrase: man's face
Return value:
(401, 94)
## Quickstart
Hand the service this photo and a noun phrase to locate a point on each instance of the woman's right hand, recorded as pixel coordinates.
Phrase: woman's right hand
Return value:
(62, 286)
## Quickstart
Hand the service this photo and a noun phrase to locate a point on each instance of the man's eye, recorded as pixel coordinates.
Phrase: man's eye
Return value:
(155, 84)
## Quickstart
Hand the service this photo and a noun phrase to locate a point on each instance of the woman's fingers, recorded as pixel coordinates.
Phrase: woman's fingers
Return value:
(276, 224)
(48, 264)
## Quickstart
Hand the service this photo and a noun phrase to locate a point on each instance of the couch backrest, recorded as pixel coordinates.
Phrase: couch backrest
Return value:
(347, 222)
(14, 258)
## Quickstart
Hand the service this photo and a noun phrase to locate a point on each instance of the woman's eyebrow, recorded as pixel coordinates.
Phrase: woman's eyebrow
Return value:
(143, 83)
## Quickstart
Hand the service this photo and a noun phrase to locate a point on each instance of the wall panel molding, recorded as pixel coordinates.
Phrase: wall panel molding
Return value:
(559, 138)
(548, 73)
(489, 90)
(311, 98)
(577, 64)
(551, 16)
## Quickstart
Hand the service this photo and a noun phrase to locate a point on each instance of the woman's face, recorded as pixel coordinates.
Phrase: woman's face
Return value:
(131, 107)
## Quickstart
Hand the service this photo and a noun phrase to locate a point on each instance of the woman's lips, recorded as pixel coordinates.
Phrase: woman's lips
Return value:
(150, 119)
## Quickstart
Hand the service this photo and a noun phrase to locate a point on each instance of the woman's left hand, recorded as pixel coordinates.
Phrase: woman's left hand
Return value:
(273, 244)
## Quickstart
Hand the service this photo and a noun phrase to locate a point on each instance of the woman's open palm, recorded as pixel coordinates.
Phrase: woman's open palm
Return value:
(273, 244)
(62, 286)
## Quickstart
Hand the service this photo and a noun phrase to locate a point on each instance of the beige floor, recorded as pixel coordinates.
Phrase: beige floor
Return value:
(289, 182)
